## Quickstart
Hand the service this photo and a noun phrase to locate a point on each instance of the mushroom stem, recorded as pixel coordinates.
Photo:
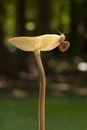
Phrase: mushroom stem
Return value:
(42, 92)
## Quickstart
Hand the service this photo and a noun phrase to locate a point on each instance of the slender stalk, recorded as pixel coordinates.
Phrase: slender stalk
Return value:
(42, 92)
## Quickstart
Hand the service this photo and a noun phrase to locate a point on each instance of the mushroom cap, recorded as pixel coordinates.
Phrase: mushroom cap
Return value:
(42, 43)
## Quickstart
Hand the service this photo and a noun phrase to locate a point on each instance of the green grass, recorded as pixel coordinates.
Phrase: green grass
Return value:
(64, 113)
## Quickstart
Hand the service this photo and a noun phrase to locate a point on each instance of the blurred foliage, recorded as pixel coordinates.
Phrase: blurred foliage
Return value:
(31, 18)
(67, 72)
(62, 113)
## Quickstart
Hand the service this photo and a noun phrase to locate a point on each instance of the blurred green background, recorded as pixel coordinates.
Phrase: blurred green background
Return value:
(66, 101)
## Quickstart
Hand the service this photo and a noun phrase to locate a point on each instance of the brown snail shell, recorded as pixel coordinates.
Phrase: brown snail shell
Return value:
(63, 46)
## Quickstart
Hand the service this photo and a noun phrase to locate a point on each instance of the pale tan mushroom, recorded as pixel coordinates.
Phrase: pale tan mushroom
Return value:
(37, 44)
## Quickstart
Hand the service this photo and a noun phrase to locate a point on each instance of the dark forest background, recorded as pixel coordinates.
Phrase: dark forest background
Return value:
(66, 73)
(37, 17)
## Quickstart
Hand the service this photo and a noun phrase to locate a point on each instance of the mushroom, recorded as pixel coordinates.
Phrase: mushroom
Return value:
(37, 44)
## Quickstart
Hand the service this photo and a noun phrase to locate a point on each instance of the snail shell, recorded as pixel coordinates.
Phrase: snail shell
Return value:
(63, 46)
